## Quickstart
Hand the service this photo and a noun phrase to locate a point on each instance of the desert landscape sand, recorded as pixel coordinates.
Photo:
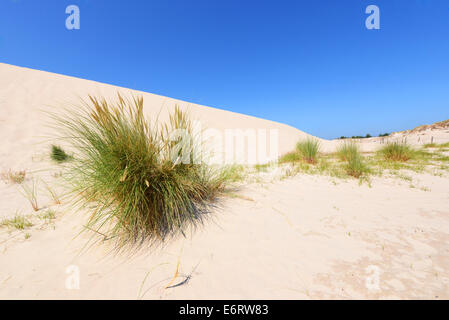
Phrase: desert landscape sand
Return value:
(289, 231)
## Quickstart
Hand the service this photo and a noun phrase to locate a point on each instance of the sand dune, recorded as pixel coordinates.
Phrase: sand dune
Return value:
(279, 236)
(25, 93)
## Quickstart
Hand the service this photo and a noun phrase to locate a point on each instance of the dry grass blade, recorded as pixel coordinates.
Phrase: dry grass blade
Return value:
(53, 194)
(30, 193)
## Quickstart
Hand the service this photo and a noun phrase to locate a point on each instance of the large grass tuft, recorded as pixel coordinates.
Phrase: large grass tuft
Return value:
(395, 151)
(137, 181)
(308, 149)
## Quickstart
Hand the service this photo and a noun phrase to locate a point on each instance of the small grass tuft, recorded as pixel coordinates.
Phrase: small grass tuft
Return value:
(308, 150)
(58, 154)
(19, 222)
(48, 215)
(14, 177)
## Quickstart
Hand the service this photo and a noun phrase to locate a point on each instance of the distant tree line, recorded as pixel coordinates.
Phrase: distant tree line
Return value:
(364, 137)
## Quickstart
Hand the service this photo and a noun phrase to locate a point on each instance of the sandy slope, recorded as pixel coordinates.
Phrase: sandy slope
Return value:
(302, 237)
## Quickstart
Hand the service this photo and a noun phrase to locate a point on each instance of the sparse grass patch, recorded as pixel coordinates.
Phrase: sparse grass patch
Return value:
(234, 173)
(308, 150)
(14, 177)
(58, 154)
(403, 176)
(131, 174)
(395, 151)
(48, 215)
(19, 222)
(53, 194)
(262, 167)
(324, 166)
(442, 158)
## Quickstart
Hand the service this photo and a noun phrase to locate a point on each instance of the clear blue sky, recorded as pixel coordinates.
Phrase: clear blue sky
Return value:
(311, 64)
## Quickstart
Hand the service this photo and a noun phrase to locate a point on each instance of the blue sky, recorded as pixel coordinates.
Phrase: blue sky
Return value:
(311, 64)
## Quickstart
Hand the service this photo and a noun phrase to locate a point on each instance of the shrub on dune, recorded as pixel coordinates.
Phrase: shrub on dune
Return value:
(133, 176)
(396, 151)
(308, 149)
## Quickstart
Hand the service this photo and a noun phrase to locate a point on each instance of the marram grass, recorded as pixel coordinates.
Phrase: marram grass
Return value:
(347, 150)
(356, 166)
(130, 174)
(396, 151)
(308, 149)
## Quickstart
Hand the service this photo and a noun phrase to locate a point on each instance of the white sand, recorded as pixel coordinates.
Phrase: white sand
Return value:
(305, 237)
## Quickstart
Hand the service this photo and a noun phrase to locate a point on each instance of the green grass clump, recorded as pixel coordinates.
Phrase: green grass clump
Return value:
(137, 181)
(395, 151)
(356, 166)
(58, 154)
(347, 150)
(308, 150)
(19, 222)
